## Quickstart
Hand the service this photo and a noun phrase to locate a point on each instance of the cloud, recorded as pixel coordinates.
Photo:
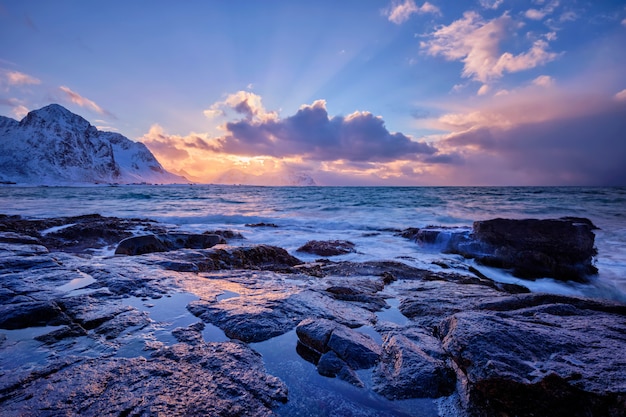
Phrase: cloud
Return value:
(539, 137)
(19, 78)
(621, 96)
(535, 14)
(539, 14)
(491, 4)
(399, 13)
(476, 43)
(543, 81)
(624, 22)
(244, 103)
(84, 102)
(313, 135)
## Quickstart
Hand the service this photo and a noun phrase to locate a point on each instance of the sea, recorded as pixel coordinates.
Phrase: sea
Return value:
(370, 217)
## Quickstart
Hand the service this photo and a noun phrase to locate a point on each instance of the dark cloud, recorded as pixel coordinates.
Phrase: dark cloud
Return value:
(588, 149)
(313, 134)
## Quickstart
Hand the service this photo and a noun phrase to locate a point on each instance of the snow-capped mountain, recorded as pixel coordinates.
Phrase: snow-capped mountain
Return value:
(55, 146)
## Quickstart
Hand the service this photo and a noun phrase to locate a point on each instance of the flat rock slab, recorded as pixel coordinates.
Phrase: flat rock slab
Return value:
(216, 379)
(541, 355)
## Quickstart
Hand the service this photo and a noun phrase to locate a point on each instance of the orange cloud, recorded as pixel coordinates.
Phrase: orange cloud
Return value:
(83, 102)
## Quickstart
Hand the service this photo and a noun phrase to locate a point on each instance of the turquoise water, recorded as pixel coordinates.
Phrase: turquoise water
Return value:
(368, 216)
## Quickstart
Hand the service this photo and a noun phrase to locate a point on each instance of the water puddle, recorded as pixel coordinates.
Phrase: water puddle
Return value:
(19, 347)
(226, 295)
(77, 283)
(311, 394)
(392, 314)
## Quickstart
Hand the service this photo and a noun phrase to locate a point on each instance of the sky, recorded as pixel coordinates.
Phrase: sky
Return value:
(348, 92)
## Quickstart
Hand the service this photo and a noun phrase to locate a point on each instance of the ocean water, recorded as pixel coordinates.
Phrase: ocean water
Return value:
(368, 216)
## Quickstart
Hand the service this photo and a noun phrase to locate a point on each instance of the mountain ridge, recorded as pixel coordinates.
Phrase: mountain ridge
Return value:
(52, 145)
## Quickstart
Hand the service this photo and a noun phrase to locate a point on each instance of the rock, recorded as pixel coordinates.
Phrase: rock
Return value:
(78, 233)
(561, 248)
(529, 356)
(29, 314)
(328, 248)
(226, 234)
(215, 379)
(407, 371)
(369, 301)
(332, 366)
(357, 350)
(557, 248)
(315, 333)
(261, 225)
(139, 245)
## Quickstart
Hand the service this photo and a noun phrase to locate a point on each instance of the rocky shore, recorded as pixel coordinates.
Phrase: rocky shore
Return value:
(173, 324)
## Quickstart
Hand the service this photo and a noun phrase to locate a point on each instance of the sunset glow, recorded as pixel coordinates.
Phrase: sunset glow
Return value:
(382, 92)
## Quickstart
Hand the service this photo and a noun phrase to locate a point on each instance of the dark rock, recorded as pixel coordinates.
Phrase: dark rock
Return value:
(562, 249)
(532, 357)
(12, 237)
(315, 333)
(358, 350)
(261, 225)
(37, 313)
(73, 330)
(191, 334)
(332, 366)
(220, 379)
(370, 301)
(78, 233)
(328, 247)
(407, 371)
(226, 234)
(139, 245)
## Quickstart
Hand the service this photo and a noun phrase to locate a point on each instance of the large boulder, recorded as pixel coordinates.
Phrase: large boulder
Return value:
(558, 248)
(139, 245)
(531, 248)
(327, 247)
(408, 370)
(339, 350)
(536, 354)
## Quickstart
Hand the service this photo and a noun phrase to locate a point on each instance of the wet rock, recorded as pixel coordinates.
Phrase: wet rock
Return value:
(12, 237)
(65, 332)
(139, 245)
(78, 233)
(327, 247)
(261, 225)
(531, 248)
(332, 366)
(226, 234)
(370, 301)
(407, 371)
(558, 248)
(29, 314)
(357, 350)
(534, 357)
(191, 334)
(208, 379)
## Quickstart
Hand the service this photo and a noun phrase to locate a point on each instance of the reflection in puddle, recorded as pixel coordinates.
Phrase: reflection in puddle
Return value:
(392, 314)
(226, 295)
(77, 283)
(311, 394)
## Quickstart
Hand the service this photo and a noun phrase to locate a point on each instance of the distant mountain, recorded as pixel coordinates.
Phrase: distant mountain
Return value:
(288, 178)
(54, 146)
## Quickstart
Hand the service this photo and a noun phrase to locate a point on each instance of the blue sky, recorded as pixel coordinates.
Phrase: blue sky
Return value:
(483, 92)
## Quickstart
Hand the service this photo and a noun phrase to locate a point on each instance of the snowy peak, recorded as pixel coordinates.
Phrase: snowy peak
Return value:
(55, 146)
(55, 115)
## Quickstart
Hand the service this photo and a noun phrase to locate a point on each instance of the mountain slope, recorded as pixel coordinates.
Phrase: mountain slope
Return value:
(55, 146)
